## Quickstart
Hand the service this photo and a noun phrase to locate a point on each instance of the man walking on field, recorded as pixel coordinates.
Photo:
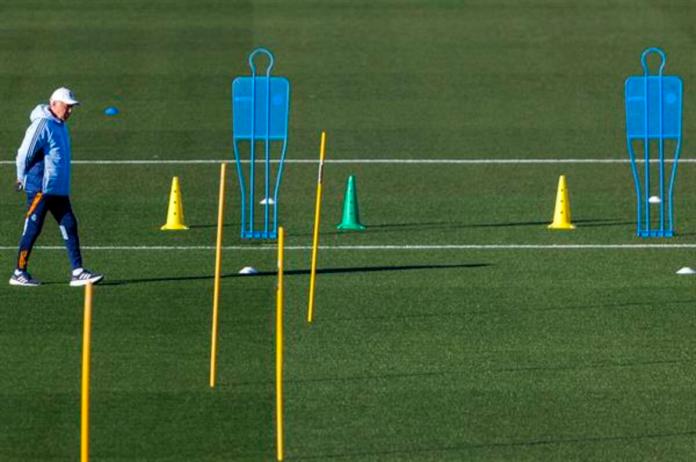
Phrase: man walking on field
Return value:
(43, 172)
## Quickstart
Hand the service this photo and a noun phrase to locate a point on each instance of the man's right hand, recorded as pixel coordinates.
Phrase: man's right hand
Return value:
(19, 187)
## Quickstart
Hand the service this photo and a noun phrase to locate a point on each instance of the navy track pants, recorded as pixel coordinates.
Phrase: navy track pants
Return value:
(38, 207)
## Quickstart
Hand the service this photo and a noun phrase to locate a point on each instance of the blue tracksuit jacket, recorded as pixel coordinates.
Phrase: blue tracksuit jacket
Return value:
(43, 159)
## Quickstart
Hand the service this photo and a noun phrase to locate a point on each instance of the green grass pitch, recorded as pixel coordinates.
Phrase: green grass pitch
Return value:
(415, 354)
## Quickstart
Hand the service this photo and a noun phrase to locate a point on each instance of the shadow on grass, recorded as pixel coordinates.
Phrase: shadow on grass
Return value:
(214, 225)
(346, 270)
(510, 224)
(429, 226)
(592, 223)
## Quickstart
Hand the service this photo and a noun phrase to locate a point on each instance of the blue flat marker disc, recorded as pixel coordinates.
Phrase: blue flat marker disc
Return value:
(111, 111)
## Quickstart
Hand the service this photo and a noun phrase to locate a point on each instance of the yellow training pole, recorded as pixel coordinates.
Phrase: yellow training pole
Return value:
(218, 269)
(279, 346)
(315, 241)
(86, 347)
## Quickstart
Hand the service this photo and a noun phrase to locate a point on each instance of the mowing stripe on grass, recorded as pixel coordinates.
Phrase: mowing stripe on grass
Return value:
(369, 161)
(385, 247)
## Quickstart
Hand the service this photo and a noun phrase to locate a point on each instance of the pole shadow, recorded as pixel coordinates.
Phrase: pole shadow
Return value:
(214, 225)
(453, 225)
(300, 272)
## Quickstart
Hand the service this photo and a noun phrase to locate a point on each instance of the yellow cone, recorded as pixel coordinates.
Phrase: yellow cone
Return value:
(561, 216)
(175, 214)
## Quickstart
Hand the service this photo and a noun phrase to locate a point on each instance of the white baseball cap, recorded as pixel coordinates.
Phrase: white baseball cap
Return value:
(64, 95)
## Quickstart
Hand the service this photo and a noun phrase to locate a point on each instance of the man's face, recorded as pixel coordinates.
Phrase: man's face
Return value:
(61, 110)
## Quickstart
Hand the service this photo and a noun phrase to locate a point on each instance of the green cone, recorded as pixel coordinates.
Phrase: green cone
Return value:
(350, 220)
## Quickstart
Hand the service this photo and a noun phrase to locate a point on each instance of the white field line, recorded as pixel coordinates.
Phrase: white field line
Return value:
(369, 161)
(381, 247)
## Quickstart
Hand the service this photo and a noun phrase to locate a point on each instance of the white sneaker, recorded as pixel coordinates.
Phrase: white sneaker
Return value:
(22, 278)
(81, 277)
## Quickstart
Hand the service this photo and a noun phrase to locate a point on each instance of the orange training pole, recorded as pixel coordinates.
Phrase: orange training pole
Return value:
(86, 348)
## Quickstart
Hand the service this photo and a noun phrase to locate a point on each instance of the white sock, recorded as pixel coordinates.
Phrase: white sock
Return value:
(77, 271)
